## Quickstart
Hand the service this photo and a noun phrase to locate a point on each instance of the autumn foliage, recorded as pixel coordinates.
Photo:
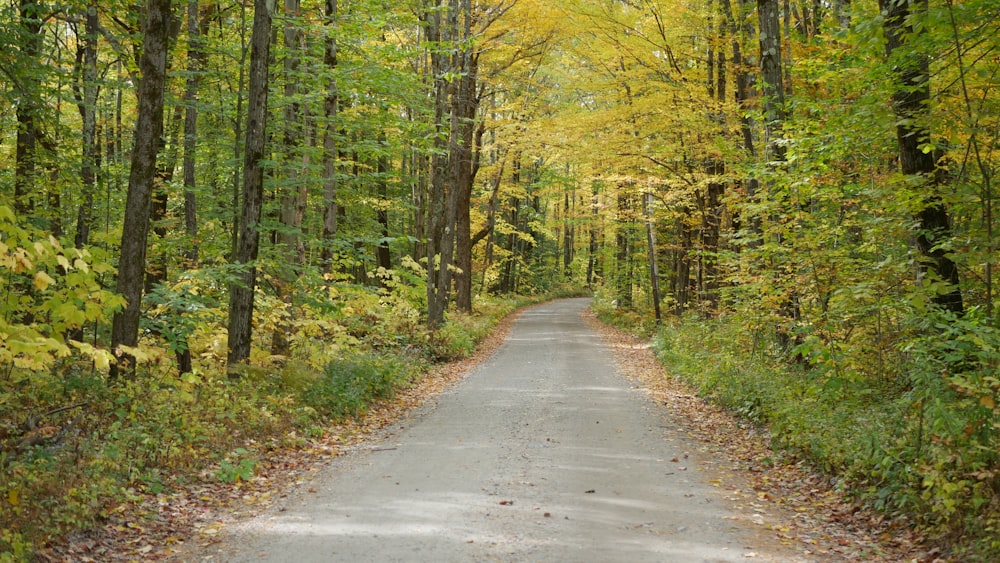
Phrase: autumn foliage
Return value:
(800, 195)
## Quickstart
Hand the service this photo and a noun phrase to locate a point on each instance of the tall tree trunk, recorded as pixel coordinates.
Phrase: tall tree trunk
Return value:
(567, 257)
(773, 93)
(682, 263)
(30, 19)
(197, 26)
(156, 268)
(710, 203)
(592, 249)
(711, 234)
(623, 247)
(87, 103)
(419, 189)
(135, 230)
(654, 273)
(238, 127)
(441, 231)
(773, 89)
(241, 292)
(383, 259)
(463, 152)
(740, 29)
(331, 107)
(293, 193)
(909, 101)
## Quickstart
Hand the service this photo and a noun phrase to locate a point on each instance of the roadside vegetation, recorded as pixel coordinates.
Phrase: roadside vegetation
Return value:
(917, 442)
(85, 448)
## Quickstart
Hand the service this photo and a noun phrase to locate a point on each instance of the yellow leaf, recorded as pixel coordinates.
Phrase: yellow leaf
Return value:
(988, 402)
(63, 262)
(13, 497)
(23, 263)
(101, 358)
(43, 280)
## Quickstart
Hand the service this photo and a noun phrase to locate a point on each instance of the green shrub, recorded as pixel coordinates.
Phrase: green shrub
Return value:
(350, 385)
(922, 444)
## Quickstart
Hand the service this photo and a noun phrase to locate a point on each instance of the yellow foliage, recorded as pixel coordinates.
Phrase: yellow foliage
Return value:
(42, 280)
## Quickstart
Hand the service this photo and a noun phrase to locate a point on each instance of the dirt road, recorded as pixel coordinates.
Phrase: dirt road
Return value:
(543, 453)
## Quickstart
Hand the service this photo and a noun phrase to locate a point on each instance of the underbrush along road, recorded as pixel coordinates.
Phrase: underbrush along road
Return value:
(543, 453)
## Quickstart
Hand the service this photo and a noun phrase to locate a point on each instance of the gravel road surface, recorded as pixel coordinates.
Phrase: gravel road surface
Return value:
(543, 453)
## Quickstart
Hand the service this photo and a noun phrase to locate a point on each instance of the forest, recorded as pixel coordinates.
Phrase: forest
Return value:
(233, 221)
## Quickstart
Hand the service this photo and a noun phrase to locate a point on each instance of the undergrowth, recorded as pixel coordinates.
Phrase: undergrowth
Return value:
(918, 441)
(74, 445)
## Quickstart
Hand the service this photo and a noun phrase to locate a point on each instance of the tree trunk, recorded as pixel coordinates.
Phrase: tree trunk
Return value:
(331, 107)
(909, 101)
(197, 29)
(238, 127)
(156, 267)
(464, 149)
(441, 235)
(682, 264)
(383, 258)
(241, 292)
(592, 259)
(773, 89)
(567, 258)
(293, 193)
(773, 93)
(29, 107)
(623, 246)
(135, 230)
(711, 234)
(420, 172)
(87, 103)
(654, 273)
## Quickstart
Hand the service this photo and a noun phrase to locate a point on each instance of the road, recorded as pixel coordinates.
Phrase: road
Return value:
(543, 453)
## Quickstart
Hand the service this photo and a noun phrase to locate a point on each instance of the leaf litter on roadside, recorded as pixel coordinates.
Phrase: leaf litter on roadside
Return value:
(800, 506)
(164, 526)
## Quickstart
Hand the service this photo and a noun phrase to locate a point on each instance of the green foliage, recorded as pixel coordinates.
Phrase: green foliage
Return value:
(349, 385)
(638, 320)
(944, 465)
(49, 292)
(176, 310)
(925, 447)
(240, 468)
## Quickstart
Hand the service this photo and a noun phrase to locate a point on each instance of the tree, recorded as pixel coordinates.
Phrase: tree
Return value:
(293, 193)
(440, 24)
(241, 291)
(198, 21)
(917, 156)
(29, 119)
(86, 92)
(331, 107)
(147, 140)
